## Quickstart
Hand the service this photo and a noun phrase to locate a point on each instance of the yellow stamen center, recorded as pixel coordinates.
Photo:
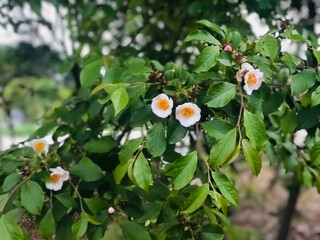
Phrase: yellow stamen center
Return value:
(39, 147)
(252, 80)
(187, 112)
(163, 104)
(54, 178)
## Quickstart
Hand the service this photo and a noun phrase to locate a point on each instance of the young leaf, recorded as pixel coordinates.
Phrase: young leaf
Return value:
(129, 148)
(201, 35)
(315, 97)
(66, 199)
(182, 170)
(196, 199)
(134, 231)
(221, 151)
(121, 170)
(120, 99)
(252, 156)
(87, 170)
(268, 46)
(10, 181)
(156, 141)
(79, 227)
(226, 187)
(9, 229)
(32, 197)
(315, 154)
(302, 81)
(100, 145)
(47, 226)
(207, 59)
(214, 27)
(90, 73)
(220, 94)
(142, 172)
(255, 130)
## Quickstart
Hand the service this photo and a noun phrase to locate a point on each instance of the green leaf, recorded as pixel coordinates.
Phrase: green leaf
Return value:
(196, 199)
(307, 178)
(225, 58)
(121, 170)
(87, 170)
(182, 170)
(226, 187)
(36, 6)
(101, 145)
(79, 227)
(201, 35)
(316, 53)
(315, 154)
(156, 140)
(176, 132)
(9, 229)
(252, 156)
(10, 181)
(32, 197)
(268, 46)
(289, 122)
(212, 232)
(134, 231)
(120, 99)
(3, 201)
(255, 129)
(220, 94)
(43, 131)
(221, 151)
(129, 148)
(90, 73)
(66, 200)
(214, 27)
(315, 97)
(96, 205)
(207, 59)
(217, 128)
(302, 81)
(47, 225)
(92, 219)
(142, 172)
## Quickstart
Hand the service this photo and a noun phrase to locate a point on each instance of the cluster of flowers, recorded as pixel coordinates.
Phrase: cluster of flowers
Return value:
(187, 114)
(58, 175)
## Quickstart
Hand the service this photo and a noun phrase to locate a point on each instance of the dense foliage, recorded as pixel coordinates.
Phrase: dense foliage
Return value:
(115, 169)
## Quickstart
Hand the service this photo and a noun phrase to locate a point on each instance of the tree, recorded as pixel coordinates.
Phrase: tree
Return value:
(241, 99)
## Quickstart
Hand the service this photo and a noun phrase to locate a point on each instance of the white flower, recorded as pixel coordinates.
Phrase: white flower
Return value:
(162, 105)
(111, 210)
(300, 137)
(188, 114)
(57, 177)
(252, 80)
(196, 182)
(245, 67)
(40, 145)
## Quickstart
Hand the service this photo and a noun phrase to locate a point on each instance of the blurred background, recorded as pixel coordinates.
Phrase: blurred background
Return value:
(43, 45)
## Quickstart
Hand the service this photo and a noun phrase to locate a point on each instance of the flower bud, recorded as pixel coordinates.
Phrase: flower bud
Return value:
(228, 48)
(300, 137)
(111, 210)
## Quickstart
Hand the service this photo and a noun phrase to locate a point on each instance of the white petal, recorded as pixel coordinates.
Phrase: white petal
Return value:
(247, 66)
(159, 112)
(300, 137)
(54, 186)
(247, 89)
(188, 121)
